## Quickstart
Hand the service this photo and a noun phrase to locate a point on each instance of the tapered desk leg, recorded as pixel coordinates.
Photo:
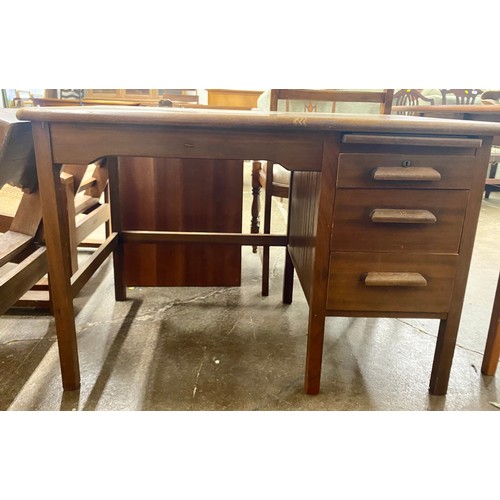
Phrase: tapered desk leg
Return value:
(314, 355)
(56, 230)
(492, 349)
(443, 356)
(288, 279)
(116, 226)
(319, 288)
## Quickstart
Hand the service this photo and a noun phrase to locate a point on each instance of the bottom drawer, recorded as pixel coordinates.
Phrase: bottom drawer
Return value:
(390, 282)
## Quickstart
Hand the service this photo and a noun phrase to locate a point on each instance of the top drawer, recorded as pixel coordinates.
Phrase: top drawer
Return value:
(404, 171)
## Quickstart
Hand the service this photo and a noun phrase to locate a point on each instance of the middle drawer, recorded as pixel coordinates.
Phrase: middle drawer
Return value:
(410, 220)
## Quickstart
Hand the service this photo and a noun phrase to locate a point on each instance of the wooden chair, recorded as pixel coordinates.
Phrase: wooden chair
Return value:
(492, 183)
(23, 260)
(491, 97)
(410, 97)
(274, 178)
(83, 187)
(492, 349)
(462, 96)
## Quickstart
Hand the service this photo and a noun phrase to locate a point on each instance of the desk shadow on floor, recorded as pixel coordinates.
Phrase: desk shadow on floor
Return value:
(19, 359)
(70, 400)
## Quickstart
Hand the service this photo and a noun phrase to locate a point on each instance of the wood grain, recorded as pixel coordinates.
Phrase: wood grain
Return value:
(181, 195)
(354, 230)
(358, 169)
(347, 289)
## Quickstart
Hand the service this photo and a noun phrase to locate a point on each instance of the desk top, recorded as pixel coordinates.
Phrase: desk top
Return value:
(257, 120)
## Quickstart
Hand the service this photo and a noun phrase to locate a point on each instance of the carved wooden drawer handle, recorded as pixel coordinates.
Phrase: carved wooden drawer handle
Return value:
(389, 215)
(425, 174)
(394, 279)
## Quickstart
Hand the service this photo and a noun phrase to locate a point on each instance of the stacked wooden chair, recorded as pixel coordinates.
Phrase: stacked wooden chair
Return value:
(22, 258)
(23, 264)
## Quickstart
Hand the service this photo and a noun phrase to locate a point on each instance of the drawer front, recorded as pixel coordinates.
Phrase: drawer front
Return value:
(403, 220)
(405, 171)
(360, 281)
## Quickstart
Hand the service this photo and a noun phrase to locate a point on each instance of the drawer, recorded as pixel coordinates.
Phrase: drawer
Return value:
(389, 171)
(361, 281)
(382, 220)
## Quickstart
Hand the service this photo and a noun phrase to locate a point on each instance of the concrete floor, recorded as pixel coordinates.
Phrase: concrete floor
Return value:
(232, 349)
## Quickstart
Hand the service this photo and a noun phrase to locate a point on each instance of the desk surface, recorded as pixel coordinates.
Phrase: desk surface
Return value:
(239, 119)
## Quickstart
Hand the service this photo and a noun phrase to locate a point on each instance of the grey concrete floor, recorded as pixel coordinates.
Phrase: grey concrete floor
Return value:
(232, 349)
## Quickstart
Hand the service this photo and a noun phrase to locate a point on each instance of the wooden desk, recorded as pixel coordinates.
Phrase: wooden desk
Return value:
(478, 112)
(482, 112)
(383, 209)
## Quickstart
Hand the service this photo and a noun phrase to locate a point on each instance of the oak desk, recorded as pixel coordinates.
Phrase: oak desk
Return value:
(478, 112)
(485, 112)
(383, 209)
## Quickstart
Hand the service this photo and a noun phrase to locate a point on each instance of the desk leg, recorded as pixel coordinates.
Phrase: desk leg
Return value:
(314, 356)
(443, 356)
(492, 349)
(56, 229)
(288, 279)
(116, 226)
(321, 265)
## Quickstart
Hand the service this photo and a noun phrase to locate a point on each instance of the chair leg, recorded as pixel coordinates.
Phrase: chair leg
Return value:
(267, 228)
(492, 173)
(255, 221)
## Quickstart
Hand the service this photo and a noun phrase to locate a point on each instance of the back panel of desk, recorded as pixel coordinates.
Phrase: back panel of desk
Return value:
(200, 195)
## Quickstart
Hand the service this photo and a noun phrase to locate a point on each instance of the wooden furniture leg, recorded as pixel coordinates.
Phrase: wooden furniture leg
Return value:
(255, 222)
(443, 357)
(116, 227)
(492, 184)
(319, 286)
(267, 229)
(56, 228)
(492, 349)
(288, 279)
